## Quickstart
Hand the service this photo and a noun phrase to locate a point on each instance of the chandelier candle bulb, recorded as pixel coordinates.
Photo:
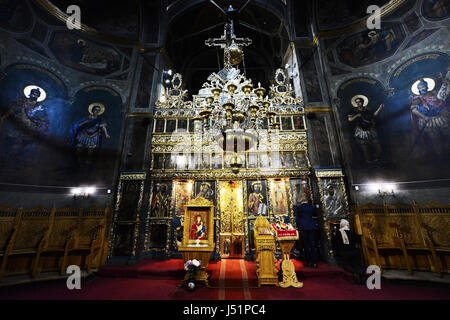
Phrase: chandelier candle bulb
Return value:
(247, 89)
(232, 88)
(216, 92)
(260, 92)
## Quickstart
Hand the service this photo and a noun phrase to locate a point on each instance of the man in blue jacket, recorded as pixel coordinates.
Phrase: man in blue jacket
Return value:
(307, 228)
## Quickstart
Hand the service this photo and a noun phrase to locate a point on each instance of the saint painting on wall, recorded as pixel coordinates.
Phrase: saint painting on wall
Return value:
(332, 198)
(430, 116)
(158, 160)
(436, 9)
(286, 123)
(298, 123)
(160, 205)
(288, 159)
(370, 46)
(94, 133)
(24, 118)
(170, 126)
(159, 125)
(205, 189)
(364, 119)
(85, 55)
(420, 137)
(205, 160)
(300, 159)
(183, 193)
(300, 190)
(278, 196)
(365, 133)
(257, 197)
(169, 162)
(88, 134)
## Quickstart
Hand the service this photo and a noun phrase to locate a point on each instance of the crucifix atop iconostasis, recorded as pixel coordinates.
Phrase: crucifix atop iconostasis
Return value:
(231, 45)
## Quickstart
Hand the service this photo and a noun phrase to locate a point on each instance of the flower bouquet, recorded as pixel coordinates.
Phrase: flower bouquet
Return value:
(192, 266)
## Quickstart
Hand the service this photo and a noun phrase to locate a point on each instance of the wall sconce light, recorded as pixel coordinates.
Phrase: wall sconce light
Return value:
(82, 192)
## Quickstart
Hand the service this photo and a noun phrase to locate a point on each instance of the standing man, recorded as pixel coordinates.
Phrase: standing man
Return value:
(307, 228)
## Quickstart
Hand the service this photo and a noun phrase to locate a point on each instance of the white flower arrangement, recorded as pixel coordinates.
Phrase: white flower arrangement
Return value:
(192, 266)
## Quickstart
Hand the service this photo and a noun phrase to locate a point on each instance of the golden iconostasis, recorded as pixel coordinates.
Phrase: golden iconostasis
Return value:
(236, 204)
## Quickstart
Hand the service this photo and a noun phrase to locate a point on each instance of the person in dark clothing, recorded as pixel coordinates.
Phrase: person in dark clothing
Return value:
(307, 228)
(344, 243)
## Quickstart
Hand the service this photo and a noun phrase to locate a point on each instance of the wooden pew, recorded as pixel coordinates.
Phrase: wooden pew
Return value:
(405, 237)
(42, 240)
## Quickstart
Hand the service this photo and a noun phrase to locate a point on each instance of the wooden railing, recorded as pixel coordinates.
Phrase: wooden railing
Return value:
(405, 237)
(42, 240)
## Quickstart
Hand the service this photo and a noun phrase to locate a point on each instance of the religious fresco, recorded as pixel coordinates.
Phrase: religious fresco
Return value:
(278, 197)
(367, 47)
(420, 129)
(161, 200)
(396, 135)
(12, 13)
(183, 193)
(205, 189)
(33, 109)
(85, 55)
(363, 119)
(94, 134)
(39, 128)
(435, 9)
(257, 197)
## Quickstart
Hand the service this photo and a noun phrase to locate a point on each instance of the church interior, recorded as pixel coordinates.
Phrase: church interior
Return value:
(173, 150)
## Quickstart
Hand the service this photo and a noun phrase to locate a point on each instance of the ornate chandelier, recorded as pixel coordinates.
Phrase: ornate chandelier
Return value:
(233, 109)
(229, 111)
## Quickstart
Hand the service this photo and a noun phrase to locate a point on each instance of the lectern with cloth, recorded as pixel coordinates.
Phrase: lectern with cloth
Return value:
(286, 236)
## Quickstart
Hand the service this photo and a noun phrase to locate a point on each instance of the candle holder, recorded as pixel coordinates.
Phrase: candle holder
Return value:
(216, 92)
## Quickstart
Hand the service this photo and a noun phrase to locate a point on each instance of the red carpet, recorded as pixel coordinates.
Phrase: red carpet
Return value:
(159, 280)
(236, 273)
